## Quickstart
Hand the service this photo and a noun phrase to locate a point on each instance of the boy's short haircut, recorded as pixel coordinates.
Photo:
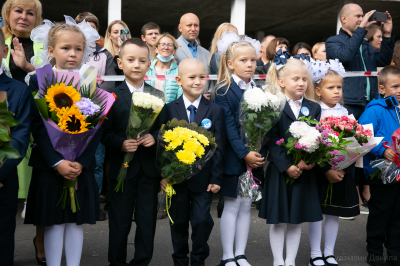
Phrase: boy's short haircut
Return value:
(89, 17)
(149, 26)
(385, 72)
(135, 41)
(2, 40)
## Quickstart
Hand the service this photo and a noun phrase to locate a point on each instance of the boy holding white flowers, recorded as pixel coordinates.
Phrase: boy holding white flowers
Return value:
(193, 198)
(141, 185)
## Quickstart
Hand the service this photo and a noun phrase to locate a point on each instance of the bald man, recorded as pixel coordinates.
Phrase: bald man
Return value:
(356, 54)
(192, 202)
(189, 27)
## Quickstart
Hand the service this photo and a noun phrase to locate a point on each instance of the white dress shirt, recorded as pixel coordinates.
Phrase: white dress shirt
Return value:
(188, 103)
(336, 111)
(240, 82)
(1, 70)
(295, 105)
(133, 89)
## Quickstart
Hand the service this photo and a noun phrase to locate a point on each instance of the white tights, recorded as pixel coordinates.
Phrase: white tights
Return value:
(235, 226)
(315, 234)
(277, 239)
(53, 243)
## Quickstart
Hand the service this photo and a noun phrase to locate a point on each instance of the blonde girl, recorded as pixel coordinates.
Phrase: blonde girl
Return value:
(68, 47)
(238, 63)
(289, 205)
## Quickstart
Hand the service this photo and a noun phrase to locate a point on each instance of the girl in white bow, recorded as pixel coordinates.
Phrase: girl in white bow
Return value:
(238, 63)
(67, 46)
(343, 201)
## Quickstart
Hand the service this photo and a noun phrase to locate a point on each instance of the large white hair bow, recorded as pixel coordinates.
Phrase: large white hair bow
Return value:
(40, 35)
(229, 37)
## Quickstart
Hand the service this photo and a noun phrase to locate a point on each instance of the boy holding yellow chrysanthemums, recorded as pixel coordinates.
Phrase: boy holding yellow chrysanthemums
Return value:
(193, 198)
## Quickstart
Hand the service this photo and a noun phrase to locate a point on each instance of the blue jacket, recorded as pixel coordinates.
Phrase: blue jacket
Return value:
(171, 89)
(19, 102)
(385, 122)
(346, 48)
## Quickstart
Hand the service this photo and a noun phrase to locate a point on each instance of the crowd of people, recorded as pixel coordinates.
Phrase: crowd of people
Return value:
(361, 45)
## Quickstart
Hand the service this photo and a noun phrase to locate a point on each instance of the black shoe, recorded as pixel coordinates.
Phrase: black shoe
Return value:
(330, 264)
(315, 259)
(103, 216)
(240, 257)
(107, 206)
(223, 262)
(376, 260)
(392, 262)
(220, 208)
(40, 261)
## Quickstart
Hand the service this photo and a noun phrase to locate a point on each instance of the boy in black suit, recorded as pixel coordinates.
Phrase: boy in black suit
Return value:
(141, 185)
(193, 198)
(19, 102)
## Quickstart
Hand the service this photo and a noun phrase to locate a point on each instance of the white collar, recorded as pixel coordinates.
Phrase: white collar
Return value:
(240, 82)
(133, 89)
(290, 100)
(326, 107)
(1, 70)
(336, 111)
(188, 103)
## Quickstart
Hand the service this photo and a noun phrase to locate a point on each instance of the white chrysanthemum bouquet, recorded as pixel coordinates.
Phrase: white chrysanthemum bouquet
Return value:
(144, 110)
(259, 111)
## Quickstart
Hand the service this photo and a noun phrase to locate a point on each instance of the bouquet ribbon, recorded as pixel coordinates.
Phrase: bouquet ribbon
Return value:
(253, 178)
(396, 158)
(169, 192)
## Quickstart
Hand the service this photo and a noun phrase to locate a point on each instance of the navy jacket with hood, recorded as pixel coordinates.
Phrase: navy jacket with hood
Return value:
(346, 48)
(385, 122)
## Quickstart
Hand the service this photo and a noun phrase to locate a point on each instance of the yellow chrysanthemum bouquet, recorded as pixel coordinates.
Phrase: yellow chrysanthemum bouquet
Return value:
(183, 150)
(72, 109)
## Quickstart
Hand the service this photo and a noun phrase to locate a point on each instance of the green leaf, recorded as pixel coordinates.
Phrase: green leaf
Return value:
(3, 105)
(54, 117)
(9, 120)
(9, 152)
(345, 152)
(41, 104)
(4, 137)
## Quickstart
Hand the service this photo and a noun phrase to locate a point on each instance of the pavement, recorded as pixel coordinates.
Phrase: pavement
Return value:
(349, 251)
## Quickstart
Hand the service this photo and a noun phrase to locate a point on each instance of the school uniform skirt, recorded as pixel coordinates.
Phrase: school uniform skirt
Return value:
(294, 204)
(45, 191)
(338, 199)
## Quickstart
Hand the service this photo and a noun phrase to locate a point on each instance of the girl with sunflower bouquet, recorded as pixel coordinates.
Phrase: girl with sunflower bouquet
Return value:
(66, 124)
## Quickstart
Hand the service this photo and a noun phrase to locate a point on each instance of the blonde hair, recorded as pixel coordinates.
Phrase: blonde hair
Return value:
(315, 48)
(224, 27)
(225, 73)
(321, 84)
(10, 4)
(107, 41)
(274, 75)
(56, 30)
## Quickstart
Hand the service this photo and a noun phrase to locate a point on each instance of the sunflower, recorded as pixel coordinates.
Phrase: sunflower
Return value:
(72, 121)
(60, 96)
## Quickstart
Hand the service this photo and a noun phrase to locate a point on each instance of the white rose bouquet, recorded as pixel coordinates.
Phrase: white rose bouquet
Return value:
(259, 111)
(313, 145)
(144, 110)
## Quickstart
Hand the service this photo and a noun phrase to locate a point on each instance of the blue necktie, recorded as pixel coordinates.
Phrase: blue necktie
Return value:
(192, 110)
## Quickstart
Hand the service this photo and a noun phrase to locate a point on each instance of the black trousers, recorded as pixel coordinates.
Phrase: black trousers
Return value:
(383, 226)
(194, 207)
(140, 193)
(8, 212)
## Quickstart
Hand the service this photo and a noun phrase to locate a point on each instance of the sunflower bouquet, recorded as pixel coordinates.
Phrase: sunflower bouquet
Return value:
(145, 108)
(183, 150)
(72, 111)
